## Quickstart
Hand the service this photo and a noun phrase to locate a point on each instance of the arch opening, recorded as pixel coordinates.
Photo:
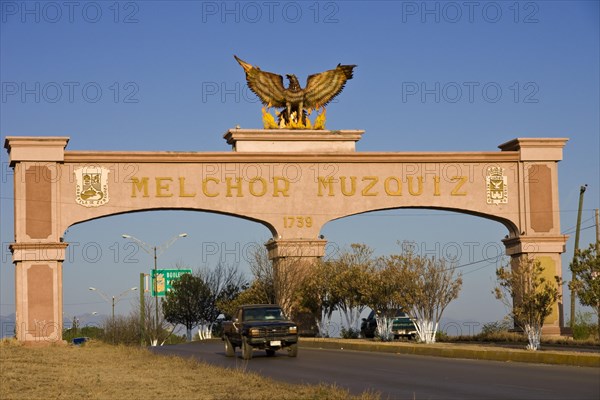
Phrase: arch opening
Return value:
(444, 234)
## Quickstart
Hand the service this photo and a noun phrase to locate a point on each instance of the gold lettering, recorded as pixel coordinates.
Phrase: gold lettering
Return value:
(264, 187)
(259, 186)
(461, 180)
(237, 186)
(388, 190)
(182, 192)
(420, 186)
(283, 190)
(352, 191)
(298, 221)
(205, 187)
(323, 183)
(366, 189)
(140, 185)
(166, 187)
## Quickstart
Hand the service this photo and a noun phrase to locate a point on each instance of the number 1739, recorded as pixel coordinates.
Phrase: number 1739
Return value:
(298, 221)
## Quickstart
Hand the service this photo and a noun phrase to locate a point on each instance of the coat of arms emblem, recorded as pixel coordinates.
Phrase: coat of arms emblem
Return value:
(91, 189)
(497, 186)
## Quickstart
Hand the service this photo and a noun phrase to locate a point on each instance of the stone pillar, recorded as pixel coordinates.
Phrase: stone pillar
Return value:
(38, 251)
(38, 291)
(292, 258)
(539, 234)
(547, 250)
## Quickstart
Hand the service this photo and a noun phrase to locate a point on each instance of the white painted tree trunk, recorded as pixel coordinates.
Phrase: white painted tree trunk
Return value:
(384, 327)
(426, 329)
(324, 324)
(351, 317)
(205, 331)
(534, 334)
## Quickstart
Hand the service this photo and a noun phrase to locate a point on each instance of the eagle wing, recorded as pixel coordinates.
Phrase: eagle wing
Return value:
(266, 85)
(322, 88)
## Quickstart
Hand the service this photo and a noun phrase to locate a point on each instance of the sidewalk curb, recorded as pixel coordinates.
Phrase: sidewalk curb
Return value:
(475, 352)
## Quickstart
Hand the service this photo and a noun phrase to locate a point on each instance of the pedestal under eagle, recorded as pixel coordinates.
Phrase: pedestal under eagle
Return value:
(296, 103)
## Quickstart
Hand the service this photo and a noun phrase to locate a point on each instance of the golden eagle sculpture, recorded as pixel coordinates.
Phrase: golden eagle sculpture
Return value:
(297, 103)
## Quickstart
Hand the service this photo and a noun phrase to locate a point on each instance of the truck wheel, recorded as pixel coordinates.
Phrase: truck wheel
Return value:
(270, 352)
(293, 350)
(246, 349)
(229, 349)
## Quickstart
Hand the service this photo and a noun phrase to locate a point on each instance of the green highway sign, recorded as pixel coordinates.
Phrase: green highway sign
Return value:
(162, 280)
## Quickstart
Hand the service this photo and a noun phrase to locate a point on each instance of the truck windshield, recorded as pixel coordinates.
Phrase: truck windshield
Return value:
(263, 314)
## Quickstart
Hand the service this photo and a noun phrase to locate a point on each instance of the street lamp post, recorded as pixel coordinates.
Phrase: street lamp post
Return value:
(112, 299)
(154, 251)
(75, 322)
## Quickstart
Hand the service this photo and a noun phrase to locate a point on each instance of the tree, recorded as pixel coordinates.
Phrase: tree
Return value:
(260, 291)
(530, 296)
(280, 281)
(317, 297)
(430, 285)
(224, 283)
(155, 334)
(288, 273)
(187, 303)
(586, 269)
(253, 294)
(262, 270)
(387, 291)
(350, 275)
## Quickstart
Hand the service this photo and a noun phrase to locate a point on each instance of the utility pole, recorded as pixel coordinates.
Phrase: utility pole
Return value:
(154, 251)
(577, 229)
(597, 232)
(155, 283)
(142, 308)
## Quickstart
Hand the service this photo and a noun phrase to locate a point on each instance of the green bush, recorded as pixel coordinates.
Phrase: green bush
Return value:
(349, 333)
(496, 327)
(122, 330)
(441, 336)
(584, 328)
(92, 332)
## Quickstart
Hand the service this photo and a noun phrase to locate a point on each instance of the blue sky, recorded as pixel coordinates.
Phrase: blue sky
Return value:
(431, 76)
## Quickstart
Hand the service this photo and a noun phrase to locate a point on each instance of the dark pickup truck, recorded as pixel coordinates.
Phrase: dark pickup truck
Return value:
(260, 326)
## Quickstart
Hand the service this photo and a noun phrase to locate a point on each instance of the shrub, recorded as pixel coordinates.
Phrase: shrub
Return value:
(122, 330)
(87, 331)
(584, 328)
(496, 327)
(349, 333)
(441, 336)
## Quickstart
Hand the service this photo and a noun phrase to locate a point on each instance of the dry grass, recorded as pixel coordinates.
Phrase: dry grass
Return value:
(100, 371)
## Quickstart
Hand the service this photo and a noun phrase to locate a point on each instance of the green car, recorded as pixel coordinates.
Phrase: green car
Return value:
(402, 326)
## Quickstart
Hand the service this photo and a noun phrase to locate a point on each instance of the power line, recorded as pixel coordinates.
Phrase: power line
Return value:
(475, 270)
(473, 263)
(582, 229)
(477, 262)
(574, 226)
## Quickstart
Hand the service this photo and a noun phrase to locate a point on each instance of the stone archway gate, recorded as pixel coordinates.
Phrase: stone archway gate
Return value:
(293, 182)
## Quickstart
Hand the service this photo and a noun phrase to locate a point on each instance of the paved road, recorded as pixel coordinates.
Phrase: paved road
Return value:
(409, 377)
